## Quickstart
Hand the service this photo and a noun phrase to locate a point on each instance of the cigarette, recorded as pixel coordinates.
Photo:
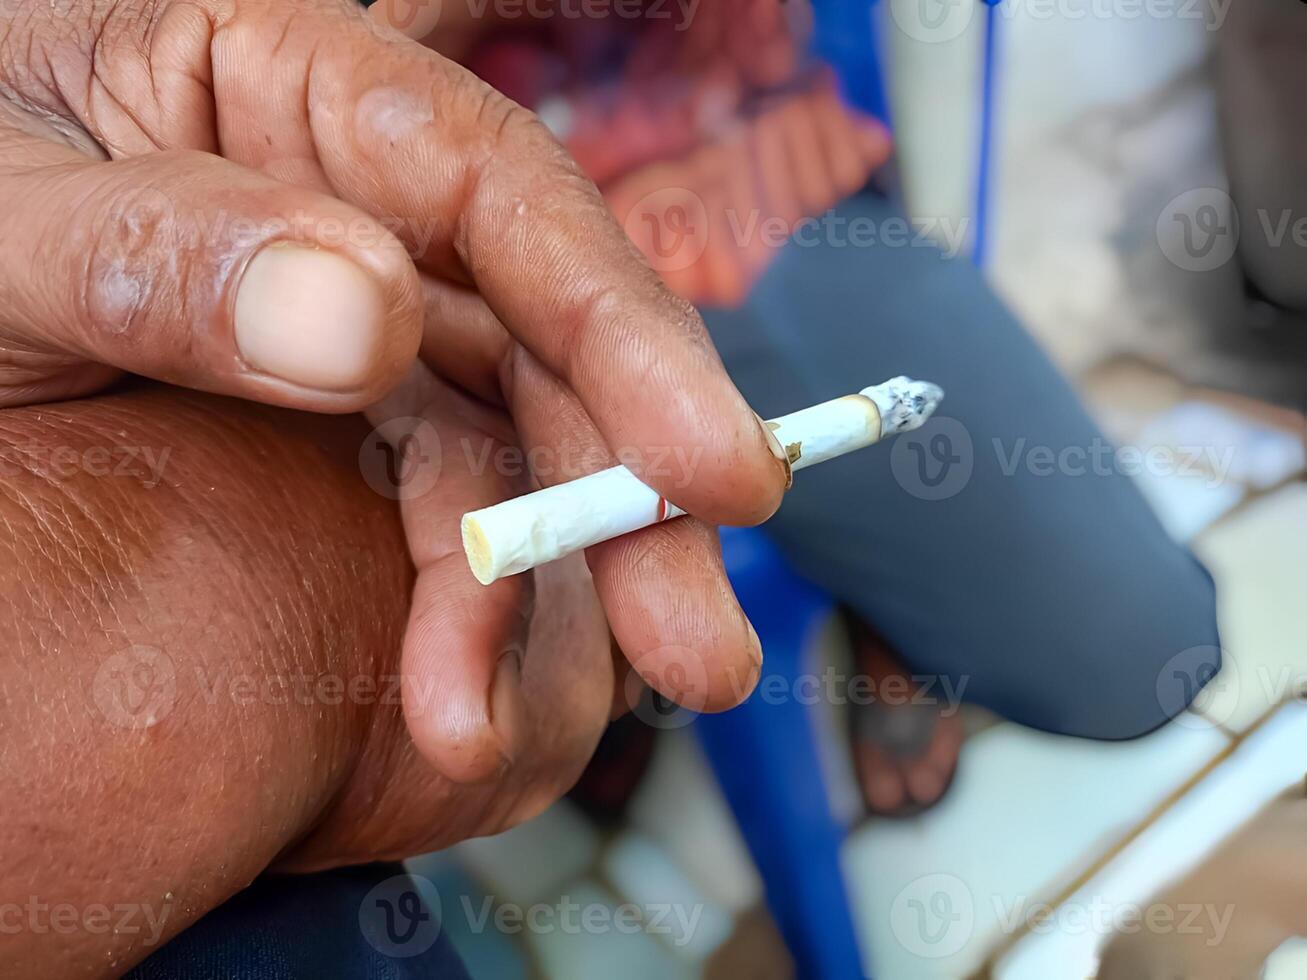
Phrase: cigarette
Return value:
(539, 527)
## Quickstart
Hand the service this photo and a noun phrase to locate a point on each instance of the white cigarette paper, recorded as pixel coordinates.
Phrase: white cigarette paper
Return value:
(539, 527)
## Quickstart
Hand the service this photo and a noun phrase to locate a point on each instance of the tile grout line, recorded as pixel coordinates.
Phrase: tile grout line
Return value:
(1115, 850)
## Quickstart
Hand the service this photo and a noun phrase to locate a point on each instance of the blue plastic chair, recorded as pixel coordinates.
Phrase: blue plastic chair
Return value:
(766, 756)
(767, 762)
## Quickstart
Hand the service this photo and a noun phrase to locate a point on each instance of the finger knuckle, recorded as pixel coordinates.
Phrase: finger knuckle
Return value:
(134, 251)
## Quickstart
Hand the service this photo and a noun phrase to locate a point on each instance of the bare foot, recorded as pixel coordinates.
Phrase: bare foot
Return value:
(905, 740)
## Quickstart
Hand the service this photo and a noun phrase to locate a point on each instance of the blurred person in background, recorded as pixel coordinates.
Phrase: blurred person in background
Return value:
(1057, 600)
(1260, 73)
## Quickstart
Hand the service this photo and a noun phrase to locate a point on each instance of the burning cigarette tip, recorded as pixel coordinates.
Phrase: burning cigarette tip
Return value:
(904, 404)
(524, 532)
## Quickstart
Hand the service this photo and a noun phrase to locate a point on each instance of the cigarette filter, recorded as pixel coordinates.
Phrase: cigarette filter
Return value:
(538, 527)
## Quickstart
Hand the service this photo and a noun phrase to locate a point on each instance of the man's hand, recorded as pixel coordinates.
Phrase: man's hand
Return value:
(284, 200)
(203, 603)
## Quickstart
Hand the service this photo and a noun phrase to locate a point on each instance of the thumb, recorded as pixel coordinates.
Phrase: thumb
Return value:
(185, 267)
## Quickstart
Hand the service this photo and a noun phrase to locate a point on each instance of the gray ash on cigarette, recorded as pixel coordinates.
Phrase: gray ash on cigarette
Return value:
(904, 404)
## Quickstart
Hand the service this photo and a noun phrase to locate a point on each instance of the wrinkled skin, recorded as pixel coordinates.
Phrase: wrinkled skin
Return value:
(147, 149)
(265, 571)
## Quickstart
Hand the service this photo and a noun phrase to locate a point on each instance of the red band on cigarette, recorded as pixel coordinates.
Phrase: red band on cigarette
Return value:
(662, 510)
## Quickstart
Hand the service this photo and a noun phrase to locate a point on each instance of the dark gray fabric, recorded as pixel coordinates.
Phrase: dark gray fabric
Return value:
(1057, 599)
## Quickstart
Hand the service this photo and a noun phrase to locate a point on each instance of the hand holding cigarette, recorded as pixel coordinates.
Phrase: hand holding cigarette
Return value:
(519, 534)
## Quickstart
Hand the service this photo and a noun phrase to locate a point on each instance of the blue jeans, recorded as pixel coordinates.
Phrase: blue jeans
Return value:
(1046, 591)
(999, 546)
(367, 923)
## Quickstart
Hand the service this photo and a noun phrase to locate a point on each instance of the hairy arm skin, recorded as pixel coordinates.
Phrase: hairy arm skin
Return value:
(259, 556)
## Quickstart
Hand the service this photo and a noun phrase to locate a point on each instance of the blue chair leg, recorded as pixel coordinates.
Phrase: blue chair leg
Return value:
(766, 759)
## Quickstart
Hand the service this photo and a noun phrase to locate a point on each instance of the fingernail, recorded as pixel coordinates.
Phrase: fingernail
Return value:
(310, 317)
(506, 700)
(777, 450)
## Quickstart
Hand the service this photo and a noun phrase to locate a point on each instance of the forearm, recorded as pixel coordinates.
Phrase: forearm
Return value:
(223, 547)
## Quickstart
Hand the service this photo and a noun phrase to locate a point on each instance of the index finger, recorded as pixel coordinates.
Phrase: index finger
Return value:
(477, 187)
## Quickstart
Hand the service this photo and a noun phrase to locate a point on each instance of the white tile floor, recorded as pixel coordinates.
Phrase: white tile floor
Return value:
(1270, 760)
(531, 862)
(1028, 811)
(1257, 557)
(1031, 818)
(1030, 815)
(598, 949)
(679, 806)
